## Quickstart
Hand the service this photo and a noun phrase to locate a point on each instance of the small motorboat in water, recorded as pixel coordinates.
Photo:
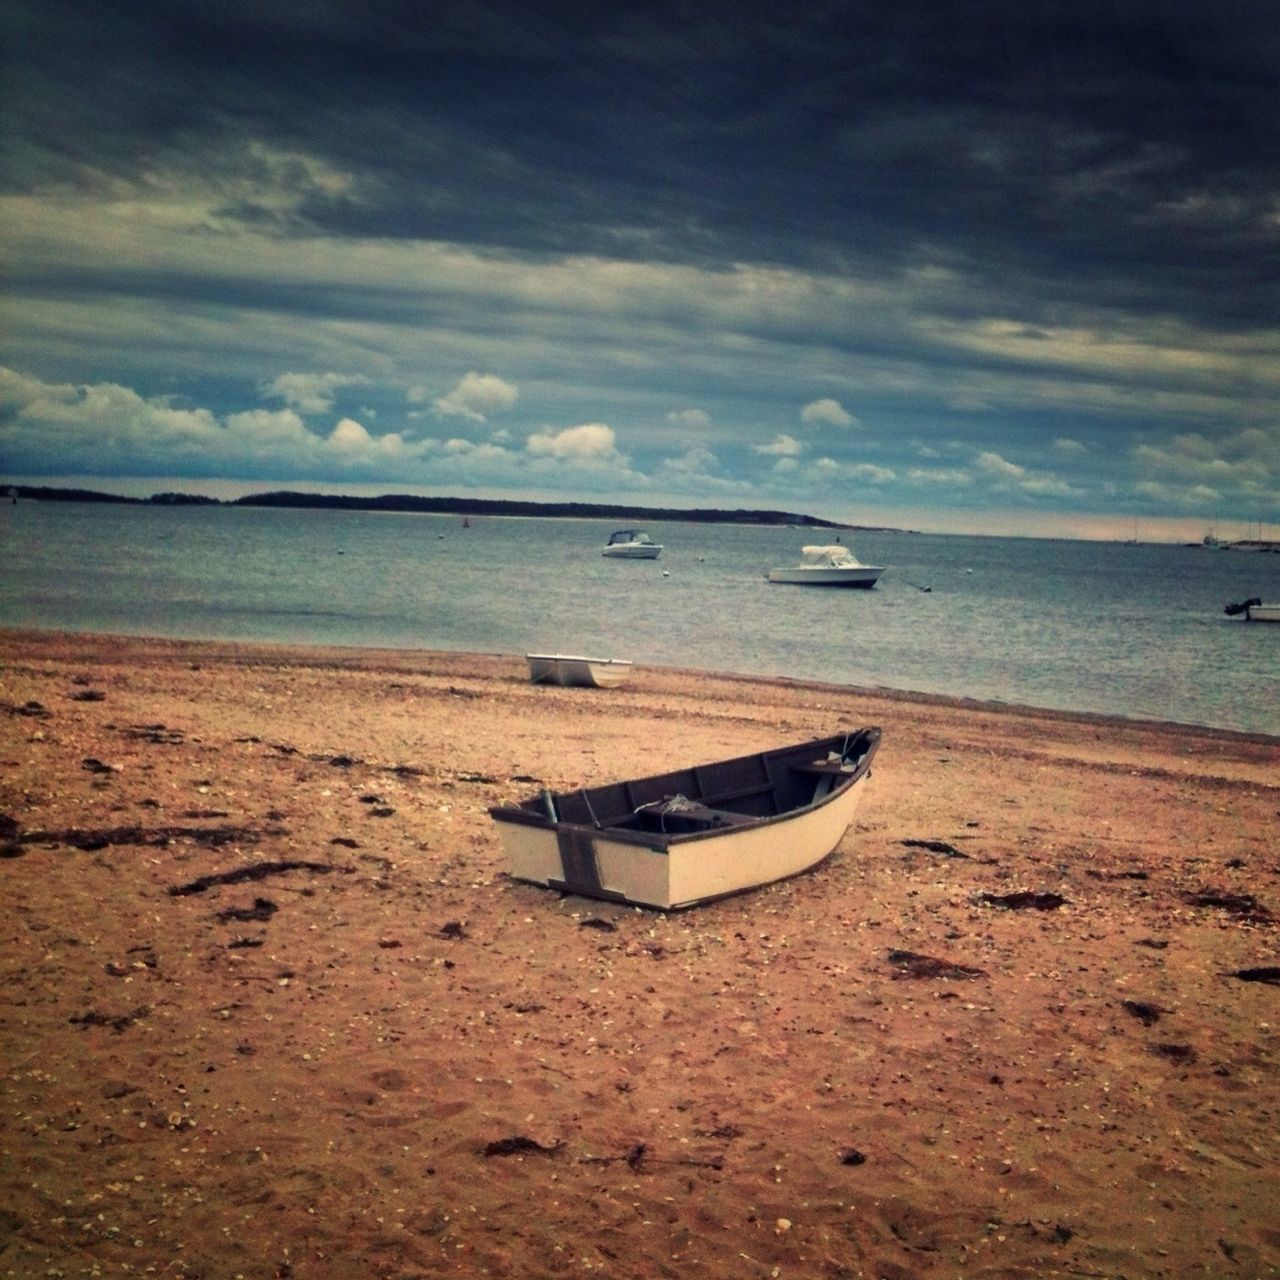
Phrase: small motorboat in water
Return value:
(632, 544)
(1254, 610)
(831, 566)
(677, 839)
(571, 669)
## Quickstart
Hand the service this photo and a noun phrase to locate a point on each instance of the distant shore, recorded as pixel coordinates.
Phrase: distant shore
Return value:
(273, 1005)
(289, 499)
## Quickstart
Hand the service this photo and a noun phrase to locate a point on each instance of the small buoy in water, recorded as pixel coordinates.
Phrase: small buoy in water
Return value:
(666, 573)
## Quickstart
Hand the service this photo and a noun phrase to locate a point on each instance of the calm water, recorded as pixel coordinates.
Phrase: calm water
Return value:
(1129, 630)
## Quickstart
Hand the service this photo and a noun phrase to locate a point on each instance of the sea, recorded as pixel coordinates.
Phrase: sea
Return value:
(1132, 630)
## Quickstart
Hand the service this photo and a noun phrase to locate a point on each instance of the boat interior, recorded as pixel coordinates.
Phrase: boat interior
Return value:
(721, 795)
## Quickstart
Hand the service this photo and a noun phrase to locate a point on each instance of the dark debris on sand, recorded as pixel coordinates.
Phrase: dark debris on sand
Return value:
(518, 1145)
(935, 846)
(1268, 973)
(262, 909)
(911, 964)
(1243, 906)
(1024, 901)
(246, 875)
(1145, 1012)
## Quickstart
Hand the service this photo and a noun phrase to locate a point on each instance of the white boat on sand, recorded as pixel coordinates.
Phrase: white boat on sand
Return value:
(573, 669)
(677, 839)
(632, 544)
(830, 566)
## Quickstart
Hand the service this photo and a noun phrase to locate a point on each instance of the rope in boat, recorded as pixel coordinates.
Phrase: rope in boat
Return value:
(586, 799)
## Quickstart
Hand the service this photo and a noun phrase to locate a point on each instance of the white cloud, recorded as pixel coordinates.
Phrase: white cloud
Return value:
(107, 415)
(105, 426)
(871, 473)
(1048, 487)
(1070, 448)
(994, 465)
(693, 462)
(1009, 476)
(258, 429)
(310, 392)
(477, 396)
(782, 446)
(271, 178)
(18, 390)
(1172, 496)
(830, 412)
(951, 476)
(591, 443)
(484, 452)
(695, 418)
(1249, 459)
(350, 437)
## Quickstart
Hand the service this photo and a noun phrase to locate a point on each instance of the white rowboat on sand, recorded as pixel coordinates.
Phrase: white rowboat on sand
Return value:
(677, 839)
(571, 669)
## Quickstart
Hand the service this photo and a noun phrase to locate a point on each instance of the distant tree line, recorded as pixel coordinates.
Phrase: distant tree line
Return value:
(444, 506)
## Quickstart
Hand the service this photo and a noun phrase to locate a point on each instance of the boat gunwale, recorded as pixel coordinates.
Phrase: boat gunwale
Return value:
(579, 657)
(660, 841)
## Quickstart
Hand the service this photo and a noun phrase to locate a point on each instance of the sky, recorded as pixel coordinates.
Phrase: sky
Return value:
(1006, 266)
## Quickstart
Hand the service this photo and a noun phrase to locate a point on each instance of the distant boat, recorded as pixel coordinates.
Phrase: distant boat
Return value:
(632, 544)
(833, 566)
(572, 669)
(1267, 545)
(677, 839)
(1254, 610)
(466, 524)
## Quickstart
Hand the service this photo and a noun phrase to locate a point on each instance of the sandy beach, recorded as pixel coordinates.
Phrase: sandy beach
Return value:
(272, 1006)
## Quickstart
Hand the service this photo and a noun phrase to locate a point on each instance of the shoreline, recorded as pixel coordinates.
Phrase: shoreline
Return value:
(275, 1007)
(399, 659)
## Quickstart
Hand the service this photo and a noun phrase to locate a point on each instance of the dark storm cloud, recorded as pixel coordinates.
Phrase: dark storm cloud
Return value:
(1134, 141)
(1002, 251)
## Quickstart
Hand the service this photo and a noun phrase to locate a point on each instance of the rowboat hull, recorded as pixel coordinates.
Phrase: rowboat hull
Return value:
(1263, 613)
(864, 576)
(628, 551)
(647, 850)
(569, 669)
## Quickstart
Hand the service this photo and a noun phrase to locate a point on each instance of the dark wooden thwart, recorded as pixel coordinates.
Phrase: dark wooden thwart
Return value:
(729, 792)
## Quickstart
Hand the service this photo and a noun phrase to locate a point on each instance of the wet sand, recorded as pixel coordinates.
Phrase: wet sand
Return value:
(273, 1008)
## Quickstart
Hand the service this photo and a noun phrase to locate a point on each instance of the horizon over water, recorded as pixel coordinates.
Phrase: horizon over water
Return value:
(1127, 630)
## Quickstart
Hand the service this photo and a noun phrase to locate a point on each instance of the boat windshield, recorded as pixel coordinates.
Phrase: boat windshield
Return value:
(833, 557)
(630, 535)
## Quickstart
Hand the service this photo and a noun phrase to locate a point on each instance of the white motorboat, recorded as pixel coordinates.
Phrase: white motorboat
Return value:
(573, 669)
(696, 834)
(632, 544)
(1254, 610)
(831, 566)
